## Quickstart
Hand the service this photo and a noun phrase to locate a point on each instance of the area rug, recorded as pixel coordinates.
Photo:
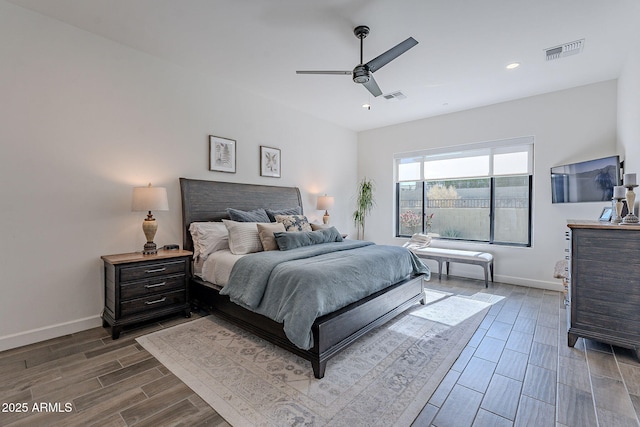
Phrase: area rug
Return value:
(385, 378)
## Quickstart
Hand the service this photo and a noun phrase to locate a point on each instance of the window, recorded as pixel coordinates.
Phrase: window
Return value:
(480, 192)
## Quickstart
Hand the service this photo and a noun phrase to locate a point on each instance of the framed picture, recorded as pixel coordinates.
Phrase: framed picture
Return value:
(606, 213)
(222, 154)
(270, 161)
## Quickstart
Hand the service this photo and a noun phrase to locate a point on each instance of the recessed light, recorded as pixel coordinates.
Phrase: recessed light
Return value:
(513, 65)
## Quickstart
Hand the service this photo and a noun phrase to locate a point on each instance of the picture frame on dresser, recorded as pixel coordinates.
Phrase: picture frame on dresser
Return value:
(606, 213)
(222, 154)
(270, 161)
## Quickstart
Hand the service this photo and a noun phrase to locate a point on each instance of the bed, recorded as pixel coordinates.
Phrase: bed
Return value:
(205, 201)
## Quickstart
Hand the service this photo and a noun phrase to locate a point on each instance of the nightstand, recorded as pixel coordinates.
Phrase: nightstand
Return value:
(141, 287)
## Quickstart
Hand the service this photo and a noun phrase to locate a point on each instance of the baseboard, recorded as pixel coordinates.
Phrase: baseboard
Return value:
(32, 336)
(500, 278)
(539, 284)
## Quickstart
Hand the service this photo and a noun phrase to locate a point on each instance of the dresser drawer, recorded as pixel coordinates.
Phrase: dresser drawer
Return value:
(152, 302)
(151, 286)
(152, 270)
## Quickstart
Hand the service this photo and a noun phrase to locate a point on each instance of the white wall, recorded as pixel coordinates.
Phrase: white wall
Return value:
(568, 126)
(629, 112)
(83, 120)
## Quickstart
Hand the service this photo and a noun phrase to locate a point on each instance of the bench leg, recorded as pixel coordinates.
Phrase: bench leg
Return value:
(439, 270)
(447, 268)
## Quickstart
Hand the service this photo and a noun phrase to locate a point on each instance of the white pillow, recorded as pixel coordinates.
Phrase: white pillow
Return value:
(208, 237)
(243, 237)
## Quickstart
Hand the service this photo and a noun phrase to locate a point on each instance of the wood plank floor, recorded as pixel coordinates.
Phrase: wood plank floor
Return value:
(516, 370)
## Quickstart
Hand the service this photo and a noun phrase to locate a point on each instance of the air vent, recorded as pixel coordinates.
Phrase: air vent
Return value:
(566, 49)
(395, 96)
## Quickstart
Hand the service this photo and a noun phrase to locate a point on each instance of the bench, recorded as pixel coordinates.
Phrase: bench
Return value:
(441, 255)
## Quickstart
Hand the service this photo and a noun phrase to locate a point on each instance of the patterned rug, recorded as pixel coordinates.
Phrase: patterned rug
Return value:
(385, 378)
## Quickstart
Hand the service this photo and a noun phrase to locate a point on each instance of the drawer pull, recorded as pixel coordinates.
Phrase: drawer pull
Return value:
(163, 299)
(157, 270)
(155, 286)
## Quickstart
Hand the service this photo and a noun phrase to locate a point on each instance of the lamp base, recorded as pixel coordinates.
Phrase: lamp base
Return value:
(150, 248)
(325, 218)
(149, 226)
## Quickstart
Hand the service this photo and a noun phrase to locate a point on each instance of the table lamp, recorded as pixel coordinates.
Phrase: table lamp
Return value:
(324, 204)
(149, 199)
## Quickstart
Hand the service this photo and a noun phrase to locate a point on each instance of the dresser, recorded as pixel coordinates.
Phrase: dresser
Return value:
(141, 287)
(604, 291)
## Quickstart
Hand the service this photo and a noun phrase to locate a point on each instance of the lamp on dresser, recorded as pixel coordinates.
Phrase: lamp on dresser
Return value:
(324, 204)
(149, 199)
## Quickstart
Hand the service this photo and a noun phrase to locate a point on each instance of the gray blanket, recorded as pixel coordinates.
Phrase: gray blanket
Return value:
(295, 287)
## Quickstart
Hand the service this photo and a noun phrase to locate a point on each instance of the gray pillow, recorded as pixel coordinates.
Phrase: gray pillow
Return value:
(297, 239)
(290, 211)
(256, 215)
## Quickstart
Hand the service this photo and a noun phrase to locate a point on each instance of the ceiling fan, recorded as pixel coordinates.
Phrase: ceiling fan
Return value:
(363, 73)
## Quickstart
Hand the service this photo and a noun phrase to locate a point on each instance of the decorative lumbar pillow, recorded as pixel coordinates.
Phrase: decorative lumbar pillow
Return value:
(208, 237)
(315, 227)
(243, 237)
(256, 215)
(290, 211)
(265, 232)
(292, 240)
(294, 222)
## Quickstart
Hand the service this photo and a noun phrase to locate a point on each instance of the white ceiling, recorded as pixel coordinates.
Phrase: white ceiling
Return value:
(459, 63)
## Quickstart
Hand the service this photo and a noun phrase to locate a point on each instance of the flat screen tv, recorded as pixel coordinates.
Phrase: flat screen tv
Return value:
(590, 181)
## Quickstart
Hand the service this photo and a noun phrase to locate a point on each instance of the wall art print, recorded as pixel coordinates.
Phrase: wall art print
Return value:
(270, 162)
(222, 154)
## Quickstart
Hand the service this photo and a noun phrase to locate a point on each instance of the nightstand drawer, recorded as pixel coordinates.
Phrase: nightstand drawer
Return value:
(152, 270)
(151, 286)
(151, 302)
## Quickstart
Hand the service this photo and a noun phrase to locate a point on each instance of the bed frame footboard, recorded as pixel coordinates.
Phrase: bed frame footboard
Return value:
(331, 333)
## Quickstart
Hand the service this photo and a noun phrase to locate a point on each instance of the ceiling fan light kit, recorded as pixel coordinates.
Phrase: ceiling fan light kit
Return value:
(363, 73)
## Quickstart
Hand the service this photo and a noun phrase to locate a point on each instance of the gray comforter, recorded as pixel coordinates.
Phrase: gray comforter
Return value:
(295, 287)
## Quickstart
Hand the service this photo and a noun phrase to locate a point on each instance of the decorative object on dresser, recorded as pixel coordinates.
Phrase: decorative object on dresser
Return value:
(222, 154)
(149, 199)
(604, 298)
(139, 287)
(324, 204)
(270, 162)
(606, 214)
(630, 183)
(618, 197)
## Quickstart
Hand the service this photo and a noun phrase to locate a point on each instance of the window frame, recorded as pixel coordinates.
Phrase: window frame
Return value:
(523, 144)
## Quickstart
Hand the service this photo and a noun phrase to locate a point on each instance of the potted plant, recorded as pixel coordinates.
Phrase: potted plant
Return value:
(364, 205)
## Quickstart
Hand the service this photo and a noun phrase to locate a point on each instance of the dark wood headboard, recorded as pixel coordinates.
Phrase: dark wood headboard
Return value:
(208, 200)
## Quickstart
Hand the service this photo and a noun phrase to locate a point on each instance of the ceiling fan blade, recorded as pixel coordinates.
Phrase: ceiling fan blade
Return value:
(325, 72)
(372, 86)
(391, 54)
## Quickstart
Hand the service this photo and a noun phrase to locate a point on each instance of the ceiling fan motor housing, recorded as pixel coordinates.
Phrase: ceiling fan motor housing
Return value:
(361, 74)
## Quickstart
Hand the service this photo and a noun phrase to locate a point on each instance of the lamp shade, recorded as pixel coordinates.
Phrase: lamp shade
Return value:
(150, 199)
(324, 203)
